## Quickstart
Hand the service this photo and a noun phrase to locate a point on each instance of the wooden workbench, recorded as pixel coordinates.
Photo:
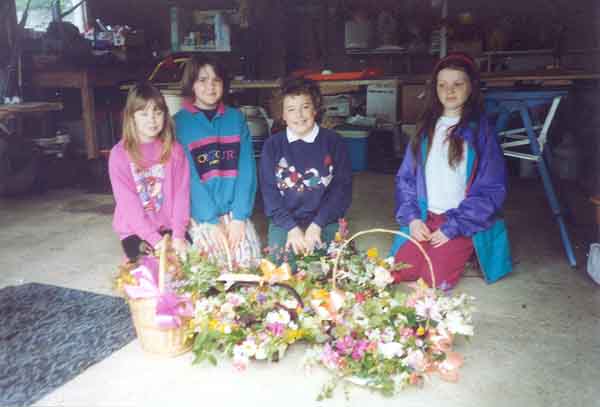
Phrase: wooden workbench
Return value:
(19, 109)
(30, 107)
(85, 79)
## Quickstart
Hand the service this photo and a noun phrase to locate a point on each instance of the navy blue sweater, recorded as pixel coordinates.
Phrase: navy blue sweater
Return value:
(305, 182)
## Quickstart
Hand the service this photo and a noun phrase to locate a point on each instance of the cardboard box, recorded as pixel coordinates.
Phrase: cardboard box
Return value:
(412, 102)
(382, 101)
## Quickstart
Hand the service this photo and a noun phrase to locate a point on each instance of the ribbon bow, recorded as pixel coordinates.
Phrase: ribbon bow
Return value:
(171, 307)
(271, 274)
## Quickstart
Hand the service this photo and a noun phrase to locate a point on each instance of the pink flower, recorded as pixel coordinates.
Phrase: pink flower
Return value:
(276, 328)
(330, 357)
(407, 332)
(345, 345)
(240, 365)
(359, 350)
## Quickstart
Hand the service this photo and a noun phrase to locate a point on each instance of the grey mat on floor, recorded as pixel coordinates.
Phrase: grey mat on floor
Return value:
(49, 334)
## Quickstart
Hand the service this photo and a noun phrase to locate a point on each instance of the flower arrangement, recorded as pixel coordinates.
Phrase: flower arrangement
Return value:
(341, 301)
(393, 339)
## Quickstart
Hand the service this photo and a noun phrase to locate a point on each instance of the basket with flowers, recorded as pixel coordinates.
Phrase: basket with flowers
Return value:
(341, 302)
(381, 336)
(159, 312)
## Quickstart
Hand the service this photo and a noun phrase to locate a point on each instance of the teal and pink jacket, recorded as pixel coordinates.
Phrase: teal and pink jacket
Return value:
(222, 166)
(478, 215)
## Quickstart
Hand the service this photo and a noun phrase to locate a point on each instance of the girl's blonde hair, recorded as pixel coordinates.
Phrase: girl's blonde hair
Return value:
(137, 99)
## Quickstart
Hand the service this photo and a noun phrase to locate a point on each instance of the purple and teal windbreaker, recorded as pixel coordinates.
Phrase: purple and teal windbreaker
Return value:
(477, 215)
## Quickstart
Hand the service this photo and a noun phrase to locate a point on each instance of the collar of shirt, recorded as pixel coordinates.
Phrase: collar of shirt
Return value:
(189, 105)
(309, 138)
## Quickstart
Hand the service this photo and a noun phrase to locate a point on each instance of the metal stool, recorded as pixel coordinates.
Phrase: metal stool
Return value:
(505, 103)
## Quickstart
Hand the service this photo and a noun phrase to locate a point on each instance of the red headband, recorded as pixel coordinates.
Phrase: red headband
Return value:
(451, 57)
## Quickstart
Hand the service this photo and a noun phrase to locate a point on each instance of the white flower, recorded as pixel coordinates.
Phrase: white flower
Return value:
(240, 359)
(457, 324)
(204, 306)
(290, 304)
(280, 316)
(248, 348)
(227, 310)
(261, 352)
(388, 334)
(374, 335)
(309, 322)
(293, 325)
(382, 277)
(390, 349)
(428, 308)
(415, 359)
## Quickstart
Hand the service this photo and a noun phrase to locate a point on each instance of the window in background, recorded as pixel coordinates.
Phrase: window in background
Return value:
(40, 13)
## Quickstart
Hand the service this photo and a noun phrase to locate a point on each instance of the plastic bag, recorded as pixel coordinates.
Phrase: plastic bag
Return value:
(593, 265)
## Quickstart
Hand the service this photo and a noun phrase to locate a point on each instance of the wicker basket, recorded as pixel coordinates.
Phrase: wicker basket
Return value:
(393, 232)
(153, 339)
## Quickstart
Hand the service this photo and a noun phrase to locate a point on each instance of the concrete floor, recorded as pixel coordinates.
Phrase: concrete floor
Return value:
(537, 332)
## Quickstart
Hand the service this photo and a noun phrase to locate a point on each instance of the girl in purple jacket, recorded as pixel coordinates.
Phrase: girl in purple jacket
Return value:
(452, 183)
(150, 176)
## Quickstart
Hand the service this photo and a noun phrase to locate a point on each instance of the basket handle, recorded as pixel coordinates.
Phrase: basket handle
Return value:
(162, 262)
(394, 232)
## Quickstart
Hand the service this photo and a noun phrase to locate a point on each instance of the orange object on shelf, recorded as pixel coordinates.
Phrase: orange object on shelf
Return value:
(346, 76)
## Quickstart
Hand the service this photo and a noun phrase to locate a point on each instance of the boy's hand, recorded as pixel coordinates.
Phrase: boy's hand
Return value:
(419, 230)
(236, 229)
(312, 237)
(296, 241)
(438, 238)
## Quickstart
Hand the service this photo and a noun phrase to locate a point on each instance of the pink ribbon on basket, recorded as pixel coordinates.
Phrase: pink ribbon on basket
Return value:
(170, 306)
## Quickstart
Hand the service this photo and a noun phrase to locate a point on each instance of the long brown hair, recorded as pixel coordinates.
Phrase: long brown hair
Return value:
(471, 111)
(137, 99)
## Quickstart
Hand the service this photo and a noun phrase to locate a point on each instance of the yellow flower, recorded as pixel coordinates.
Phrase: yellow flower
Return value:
(293, 335)
(320, 294)
(420, 331)
(338, 237)
(373, 253)
(213, 325)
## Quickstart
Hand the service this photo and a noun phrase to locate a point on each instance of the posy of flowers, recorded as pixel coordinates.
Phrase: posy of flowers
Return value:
(362, 329)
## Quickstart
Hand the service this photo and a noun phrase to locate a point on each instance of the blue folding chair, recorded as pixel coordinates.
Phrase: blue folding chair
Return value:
(503, 104)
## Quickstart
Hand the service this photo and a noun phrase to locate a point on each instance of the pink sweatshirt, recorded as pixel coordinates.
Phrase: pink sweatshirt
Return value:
(151, 198)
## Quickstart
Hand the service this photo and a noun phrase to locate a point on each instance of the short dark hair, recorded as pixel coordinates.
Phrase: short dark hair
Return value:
(301, 86)
(193, 66)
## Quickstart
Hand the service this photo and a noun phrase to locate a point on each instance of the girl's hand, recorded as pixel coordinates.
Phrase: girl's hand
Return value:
(312, 237)
(296, 241)
(236, 229)
(180, 247)
(438, 238)
(419, 230)
(218, 235)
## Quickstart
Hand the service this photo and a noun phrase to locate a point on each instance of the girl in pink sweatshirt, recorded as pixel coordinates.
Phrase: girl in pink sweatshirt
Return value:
(150, 176)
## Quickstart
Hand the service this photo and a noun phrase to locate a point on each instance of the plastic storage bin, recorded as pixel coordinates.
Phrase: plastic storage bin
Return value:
(356, 143)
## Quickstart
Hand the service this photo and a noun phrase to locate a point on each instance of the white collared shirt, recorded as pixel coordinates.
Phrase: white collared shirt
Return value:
(309, 138)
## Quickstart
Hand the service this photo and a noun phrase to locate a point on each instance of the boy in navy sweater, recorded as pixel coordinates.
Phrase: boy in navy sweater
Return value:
(305, 176)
